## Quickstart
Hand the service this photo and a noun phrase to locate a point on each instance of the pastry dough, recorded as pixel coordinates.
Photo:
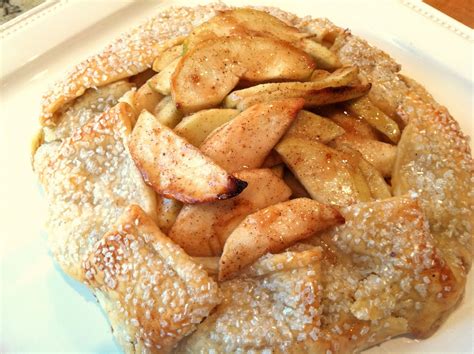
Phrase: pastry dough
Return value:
(90, 105)
(434, 164)
(273, 307)
(373, 275)
(89, 179)
(152, 291)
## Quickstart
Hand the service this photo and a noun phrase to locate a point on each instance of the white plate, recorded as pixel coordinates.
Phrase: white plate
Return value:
(43, 310)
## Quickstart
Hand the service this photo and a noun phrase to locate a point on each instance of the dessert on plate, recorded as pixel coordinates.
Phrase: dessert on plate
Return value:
(243, 180)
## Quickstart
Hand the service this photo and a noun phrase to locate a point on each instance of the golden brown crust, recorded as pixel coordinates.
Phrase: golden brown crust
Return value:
(127, 56)
(372, 276)
(85, 108)
(272, 307)
(370, 286)
(375, 66)
(89, 178)
(153, 293)
(434, 163)
(131, 54)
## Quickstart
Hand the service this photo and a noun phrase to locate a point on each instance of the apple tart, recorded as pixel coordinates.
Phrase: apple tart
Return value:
(244, 180)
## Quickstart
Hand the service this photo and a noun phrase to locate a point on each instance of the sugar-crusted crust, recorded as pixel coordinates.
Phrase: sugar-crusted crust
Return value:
(434, 165)
(372, 274)
(85, 108)
(275, 305)
(89, 179)
(152, 291)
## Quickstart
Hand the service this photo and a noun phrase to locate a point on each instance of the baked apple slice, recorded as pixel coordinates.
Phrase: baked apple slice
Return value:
(201, 230)
(272, 159)
(167, 57)
(209, 71)
(313, 97)
(259, 23)
(278, 170)
(319, 79)
(379, 189)
(175, 168)
(324, 57)
(243, 22)
(365, 109)
(311, 126)
(355, 126)
(161, 82)
(146, 98)
(247, 139)
(329, 176)
(166, 112)
(197, 127)
(167, 210)
(336, 87)
(272, 230)
(297, 189)
(319, 74)
(381, 155)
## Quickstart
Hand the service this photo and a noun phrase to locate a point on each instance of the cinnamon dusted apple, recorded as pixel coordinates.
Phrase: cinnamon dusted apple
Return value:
(247, 139)
(175, 168)
(202, 230)
(207, 73)
(246, 21)
(339, 86)
(272, 230)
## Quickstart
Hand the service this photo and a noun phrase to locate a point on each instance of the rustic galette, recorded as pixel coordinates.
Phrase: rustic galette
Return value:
(244, 180)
